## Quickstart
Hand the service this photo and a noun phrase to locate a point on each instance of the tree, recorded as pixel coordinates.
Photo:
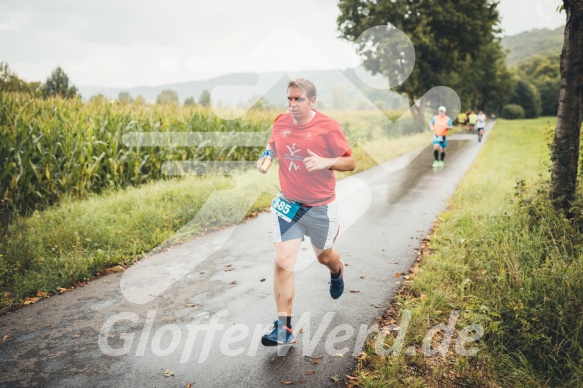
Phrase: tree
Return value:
(189, 101)
(565, 148)
(526, 95)
(205, 98)
(448, 37)
(125, 97)
(167, 97)
(98, 98)
(544, 72)
(140, 100)
(339, 97)
(9, 81)
(58, 85)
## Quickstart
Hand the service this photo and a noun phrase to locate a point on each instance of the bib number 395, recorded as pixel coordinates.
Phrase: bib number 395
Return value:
(284, 209)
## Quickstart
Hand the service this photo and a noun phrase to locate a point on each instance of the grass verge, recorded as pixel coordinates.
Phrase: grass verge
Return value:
(508, 263)
(77, 240)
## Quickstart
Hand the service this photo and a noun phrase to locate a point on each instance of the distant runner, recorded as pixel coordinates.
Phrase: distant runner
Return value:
(440, 124)
(462, 119)
(472, 118)
(310, 146)
(480, 125)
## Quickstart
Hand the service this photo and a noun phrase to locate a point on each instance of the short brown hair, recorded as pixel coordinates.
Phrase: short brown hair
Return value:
(306, 85)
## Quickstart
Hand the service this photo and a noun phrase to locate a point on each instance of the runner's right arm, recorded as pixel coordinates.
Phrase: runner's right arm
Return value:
(268, 153)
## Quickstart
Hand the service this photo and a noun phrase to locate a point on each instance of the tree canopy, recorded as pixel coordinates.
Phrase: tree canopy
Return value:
(10, 82)
(57, 84)
(454, 41)
(167, 96)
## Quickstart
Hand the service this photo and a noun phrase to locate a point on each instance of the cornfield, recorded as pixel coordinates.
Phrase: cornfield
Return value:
(54, 147)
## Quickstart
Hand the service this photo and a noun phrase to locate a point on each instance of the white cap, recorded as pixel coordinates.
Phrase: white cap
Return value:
(442, 108)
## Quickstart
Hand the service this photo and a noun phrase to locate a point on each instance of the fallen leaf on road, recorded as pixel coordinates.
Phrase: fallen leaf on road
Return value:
(399, 274)
(42, 294)
(362, 276)
(335, 379)
(30, 301)
(188, 385)
(233, 282)
(6, 336)
(229, 265)
(302, 330)
(262, 280)
(229, 269)
(190, 304)
(77, 336)
(168, 373)
(355, 291)
(339, 355)
(201, 272)
(287, 382)
(310, 373)
(61, 290)
(351, 377)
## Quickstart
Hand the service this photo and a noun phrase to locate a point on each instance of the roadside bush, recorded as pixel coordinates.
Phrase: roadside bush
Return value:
(512, 112)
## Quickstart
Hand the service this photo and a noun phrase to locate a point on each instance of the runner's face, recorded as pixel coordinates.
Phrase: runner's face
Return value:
(300, 107)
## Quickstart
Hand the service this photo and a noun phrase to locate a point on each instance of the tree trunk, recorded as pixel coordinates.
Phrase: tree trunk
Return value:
(565, 154)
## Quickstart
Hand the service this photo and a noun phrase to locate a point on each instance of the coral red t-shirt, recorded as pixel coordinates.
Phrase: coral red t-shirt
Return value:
(324, 137)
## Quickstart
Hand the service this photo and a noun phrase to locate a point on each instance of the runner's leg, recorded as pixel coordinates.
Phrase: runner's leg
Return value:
(329, 257)
(286, 253)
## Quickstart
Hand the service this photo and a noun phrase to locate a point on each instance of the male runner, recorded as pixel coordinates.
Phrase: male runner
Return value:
(310, 146)
(480, 125)
(439, 126)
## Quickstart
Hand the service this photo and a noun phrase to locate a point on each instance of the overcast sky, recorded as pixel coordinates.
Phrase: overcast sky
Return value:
(147, 42)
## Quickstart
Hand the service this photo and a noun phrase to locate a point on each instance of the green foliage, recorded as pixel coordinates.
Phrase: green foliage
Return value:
(10, 83)
(125, 98)
(189, 101)
(167, 97)
(526, 95)
(509, 263)
(53, 148)
(98, 98)
(527, 45)
(455, 44)
(57, 84)
(205, 98)
(512, 112)
(544, 73)
(140, 101)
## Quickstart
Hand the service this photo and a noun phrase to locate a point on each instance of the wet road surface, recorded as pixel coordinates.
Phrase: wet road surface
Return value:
(205, 326)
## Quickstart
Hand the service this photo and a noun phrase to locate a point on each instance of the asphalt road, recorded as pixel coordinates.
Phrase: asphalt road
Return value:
(197, 311)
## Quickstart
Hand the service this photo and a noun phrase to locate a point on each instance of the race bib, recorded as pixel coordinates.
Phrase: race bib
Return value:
(286, 210)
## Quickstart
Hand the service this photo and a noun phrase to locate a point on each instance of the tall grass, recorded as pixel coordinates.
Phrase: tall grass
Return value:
(54, 147)
(504, 258)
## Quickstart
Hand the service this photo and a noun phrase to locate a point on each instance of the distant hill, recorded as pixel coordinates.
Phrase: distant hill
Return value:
(340, 89)
(528, 44)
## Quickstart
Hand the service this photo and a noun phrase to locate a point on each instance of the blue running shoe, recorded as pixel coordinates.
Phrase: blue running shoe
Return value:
(280, 335)
(337, 285)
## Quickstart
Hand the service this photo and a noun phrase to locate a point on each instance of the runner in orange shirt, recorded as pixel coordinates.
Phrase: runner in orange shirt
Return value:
(440, 124)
